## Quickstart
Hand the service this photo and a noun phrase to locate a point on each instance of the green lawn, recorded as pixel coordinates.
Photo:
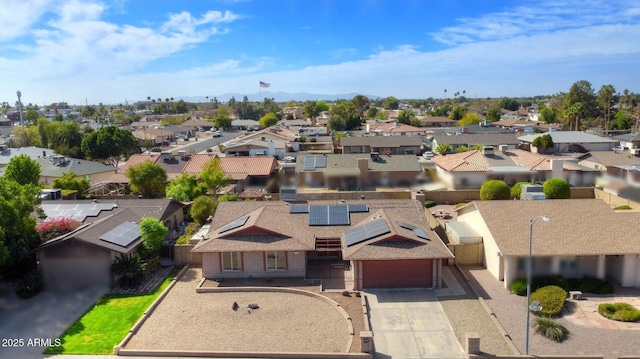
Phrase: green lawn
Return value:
(106, 324)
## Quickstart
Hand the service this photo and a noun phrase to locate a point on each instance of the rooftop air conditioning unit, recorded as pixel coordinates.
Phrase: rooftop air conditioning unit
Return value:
(487, 150)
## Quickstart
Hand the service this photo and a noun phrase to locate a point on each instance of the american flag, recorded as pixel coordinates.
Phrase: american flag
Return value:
(264, 84)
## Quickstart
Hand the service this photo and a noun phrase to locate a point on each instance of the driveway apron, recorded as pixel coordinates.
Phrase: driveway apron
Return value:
(410, 324)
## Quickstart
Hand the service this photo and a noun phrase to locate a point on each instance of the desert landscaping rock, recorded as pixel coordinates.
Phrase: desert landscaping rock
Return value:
(186, 320)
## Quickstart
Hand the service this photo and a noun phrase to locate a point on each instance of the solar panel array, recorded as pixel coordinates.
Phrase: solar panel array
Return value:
(329, 216)
(366, 232)
(123, 235)
(299, 209)
(311, 162)
(358, 208)
(419, 232)
(235, 224)
(78, 212)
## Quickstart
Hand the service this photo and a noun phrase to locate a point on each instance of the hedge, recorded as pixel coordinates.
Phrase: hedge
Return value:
(516, 190)
(551, 300)
(590, 285)
(621, 312)
(556, 188)
(494, 190)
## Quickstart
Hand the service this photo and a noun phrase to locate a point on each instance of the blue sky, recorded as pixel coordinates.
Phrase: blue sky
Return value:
(112, 51)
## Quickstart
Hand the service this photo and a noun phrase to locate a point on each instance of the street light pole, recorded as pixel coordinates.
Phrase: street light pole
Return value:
(529, 269)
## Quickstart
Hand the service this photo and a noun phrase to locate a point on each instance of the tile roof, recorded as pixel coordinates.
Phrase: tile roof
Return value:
(251, 166)
(392, 127)
(138, 159)
(577, 227)
(475, 161)
(270, 226)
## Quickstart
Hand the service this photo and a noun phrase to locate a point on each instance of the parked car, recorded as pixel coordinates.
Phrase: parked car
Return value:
(289, 159)
(427, 155)
(217, 134)
(619, 149)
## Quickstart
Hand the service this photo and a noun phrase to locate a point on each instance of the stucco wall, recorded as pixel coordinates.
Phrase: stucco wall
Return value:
(492, 261)
(73, 264)
(253, 264)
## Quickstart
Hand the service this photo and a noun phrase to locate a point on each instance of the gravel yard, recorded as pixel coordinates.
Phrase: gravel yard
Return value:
(510, 311)
(186, 320)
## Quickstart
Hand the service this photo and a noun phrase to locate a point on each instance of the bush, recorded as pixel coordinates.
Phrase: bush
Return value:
(516, 190)
(189, 231)
(550, 329)
(622, 207)
(30, 285)
(544, 281)
(621, 312)
(556, 188)
(429, 203)
(494, 190)
(551, 300)
(591, 285)
(519, 287)
(202, 208)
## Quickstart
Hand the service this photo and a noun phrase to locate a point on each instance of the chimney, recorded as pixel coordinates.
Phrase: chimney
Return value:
(44, 154)
(557, 166)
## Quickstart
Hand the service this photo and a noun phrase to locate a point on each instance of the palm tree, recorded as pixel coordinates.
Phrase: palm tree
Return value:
(128, 267)
(445, 94)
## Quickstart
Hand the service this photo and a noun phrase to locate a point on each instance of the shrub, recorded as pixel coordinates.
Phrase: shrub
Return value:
(622, 207)
(494, 190)
(202, 208)
(30, 285)
(516, 190)
(429, 203)
(543, 281)
(550, 329)
(556, 188)
(56, 227)
(551, 300)
(621, 312)
(189, 231)
(594, 285)
(519, 287)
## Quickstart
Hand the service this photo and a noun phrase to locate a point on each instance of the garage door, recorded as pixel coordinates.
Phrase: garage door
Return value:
(408, 273)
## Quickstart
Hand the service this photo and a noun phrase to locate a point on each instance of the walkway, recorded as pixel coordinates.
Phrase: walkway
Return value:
(585, 312)
(410, 324)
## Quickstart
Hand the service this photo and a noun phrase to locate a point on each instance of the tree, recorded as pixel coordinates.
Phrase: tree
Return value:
(70, 181)
(372, 112)
(109, 144)
(336, 123)
(457, 113)
(516, 190)
(56, 227)
(268, 120)
(25, 136)
(213, 175)
(222, 121)
(462, 149)
(470, 118)
(622, 121)
(23, 170)
(548, 114)
(17, 226)
(443, 149)
(347, 111)
(361, 103)
(493, 114)
(153, 233)
(310, 110)
(391, 103)
(202, 208)
(322, 106)
(605, 99)
(509, 104)
(405, 116)
(556, 188)
(31, 117)
(571, 116)
(185, 188)
(494, 190)
(543, 142)
(148, 179)
(581, 92)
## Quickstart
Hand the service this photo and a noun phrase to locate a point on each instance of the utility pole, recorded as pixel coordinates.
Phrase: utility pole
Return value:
(20, 107)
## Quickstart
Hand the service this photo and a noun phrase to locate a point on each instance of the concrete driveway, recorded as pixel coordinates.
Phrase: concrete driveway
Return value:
(410, 324)
(44, 316)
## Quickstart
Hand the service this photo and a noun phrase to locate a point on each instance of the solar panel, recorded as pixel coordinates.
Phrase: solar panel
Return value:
(338, 215)
(366, 231)
(123, 235)
(235, 224)
(318, 216)
(421, 233)
(321, 161)
(76, 211)
(299, 209)
(358, 208)
(406, 225)
(309, 163)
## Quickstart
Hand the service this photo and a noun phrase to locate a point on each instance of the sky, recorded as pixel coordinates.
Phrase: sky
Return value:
(121, 51)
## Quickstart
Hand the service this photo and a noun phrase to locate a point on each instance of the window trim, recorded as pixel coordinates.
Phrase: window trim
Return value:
(275, 253)
(234, 268)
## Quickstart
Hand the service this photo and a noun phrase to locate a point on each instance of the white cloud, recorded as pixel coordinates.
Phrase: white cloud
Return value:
(17, 16)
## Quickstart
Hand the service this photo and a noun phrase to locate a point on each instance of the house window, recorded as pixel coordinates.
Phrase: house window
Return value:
(231, 261)
(276, 260)
(568, 264)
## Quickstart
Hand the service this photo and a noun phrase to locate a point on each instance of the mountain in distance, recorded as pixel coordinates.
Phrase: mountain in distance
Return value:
(277, 96)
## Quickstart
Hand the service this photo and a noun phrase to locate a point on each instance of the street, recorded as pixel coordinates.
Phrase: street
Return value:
(206, 140)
